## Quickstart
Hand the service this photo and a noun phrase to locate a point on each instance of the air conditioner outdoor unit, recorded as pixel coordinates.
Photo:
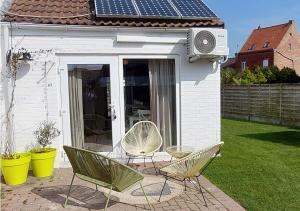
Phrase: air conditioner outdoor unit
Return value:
(208, 43)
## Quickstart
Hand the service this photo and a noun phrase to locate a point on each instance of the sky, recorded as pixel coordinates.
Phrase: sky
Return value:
(242, 16)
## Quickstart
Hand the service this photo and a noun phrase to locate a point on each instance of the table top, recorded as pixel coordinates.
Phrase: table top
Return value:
(179, 151)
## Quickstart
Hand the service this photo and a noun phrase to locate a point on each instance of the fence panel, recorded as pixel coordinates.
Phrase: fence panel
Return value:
(270, 103)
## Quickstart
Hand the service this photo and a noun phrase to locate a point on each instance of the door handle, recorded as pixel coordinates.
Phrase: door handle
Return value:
(113, 112)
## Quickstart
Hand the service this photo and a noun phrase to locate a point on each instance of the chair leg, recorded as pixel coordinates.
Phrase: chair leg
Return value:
(96, 187)
(184, 185)
(162, 190)
(146, 196)
(108, 198)
(154, 165)
(144, 162)
(66, 201)
(128, 161)
(201, 191)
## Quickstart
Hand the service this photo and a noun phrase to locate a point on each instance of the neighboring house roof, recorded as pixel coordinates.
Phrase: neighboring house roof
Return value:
(51, 11)
(229, 64)
(265, 38)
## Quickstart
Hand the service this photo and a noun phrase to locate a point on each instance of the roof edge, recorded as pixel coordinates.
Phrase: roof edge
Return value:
(26, 25)
(277, 25)
(257, 51)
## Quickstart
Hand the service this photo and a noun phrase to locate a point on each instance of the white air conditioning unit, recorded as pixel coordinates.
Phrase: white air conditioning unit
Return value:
(207, 43)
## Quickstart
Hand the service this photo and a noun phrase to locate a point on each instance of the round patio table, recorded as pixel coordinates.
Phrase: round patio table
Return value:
(179, 152)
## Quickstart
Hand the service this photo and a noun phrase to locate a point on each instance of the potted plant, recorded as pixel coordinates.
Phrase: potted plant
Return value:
(14, 166)
(42, 159)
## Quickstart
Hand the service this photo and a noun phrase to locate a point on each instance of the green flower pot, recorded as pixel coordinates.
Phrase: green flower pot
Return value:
(15, 171)
(42, 162)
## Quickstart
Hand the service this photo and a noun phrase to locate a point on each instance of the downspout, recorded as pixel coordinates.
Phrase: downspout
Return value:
(286, 57)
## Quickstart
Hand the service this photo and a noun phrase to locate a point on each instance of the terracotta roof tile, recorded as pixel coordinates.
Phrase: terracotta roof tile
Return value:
(260, 36)
(50, 11)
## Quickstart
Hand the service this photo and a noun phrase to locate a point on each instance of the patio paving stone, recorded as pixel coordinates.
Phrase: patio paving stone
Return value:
(49, 194)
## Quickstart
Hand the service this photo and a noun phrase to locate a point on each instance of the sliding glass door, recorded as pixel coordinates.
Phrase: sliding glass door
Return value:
(150, 94)
(93, 102)
(91, 92)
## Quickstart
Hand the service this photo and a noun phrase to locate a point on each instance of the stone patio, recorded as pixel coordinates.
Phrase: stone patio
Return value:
(50, 193)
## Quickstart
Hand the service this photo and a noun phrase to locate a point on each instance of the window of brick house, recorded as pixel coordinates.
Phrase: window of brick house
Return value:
(290, 46)
(251, 47)
(266, 45)
(266, 63)
(244, 65)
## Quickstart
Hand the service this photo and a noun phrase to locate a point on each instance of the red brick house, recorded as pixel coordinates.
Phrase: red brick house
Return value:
(275, 45)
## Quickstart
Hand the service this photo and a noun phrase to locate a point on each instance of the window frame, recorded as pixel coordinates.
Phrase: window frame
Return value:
(265, 63)
(266, 44)
(244, 65)
(251, 47)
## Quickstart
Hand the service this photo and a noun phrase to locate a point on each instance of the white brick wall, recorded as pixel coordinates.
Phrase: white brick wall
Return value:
(200, 104)
(199, 82)
(32, 97)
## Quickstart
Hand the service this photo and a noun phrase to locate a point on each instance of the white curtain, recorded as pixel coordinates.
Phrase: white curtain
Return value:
(163, 98)
(76, 109)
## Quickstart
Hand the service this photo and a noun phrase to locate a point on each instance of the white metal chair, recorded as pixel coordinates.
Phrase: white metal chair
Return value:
(190, 167)
(142, 140)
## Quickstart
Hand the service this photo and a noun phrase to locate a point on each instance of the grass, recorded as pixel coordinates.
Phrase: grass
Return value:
(260, 165)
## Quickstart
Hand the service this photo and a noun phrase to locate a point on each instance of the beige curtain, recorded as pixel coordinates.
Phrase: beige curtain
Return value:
(76, 109)
(163, 98)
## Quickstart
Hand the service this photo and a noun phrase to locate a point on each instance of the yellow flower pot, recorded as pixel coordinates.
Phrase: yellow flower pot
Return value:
(42, 162)
(15, 171)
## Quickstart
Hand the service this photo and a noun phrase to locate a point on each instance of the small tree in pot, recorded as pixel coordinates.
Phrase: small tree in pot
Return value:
(42, 159)
(14, 165)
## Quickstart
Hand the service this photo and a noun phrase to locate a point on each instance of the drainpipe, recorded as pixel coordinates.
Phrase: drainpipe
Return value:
(288, 58)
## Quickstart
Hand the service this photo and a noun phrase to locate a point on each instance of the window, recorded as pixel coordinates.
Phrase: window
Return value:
(266, 63)
(251, 47)
(266, 45)
(290, 46)
(244, 65)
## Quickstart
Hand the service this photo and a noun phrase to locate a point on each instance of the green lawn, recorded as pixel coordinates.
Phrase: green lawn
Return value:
(260, 165)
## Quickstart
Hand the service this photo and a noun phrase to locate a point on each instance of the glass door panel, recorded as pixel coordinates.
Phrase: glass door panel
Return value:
(93, 104)
(150, 94)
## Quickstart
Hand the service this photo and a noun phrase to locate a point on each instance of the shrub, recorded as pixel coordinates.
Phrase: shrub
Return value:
(260, 76)
(248, 77)
(272, 74)
(288, 75)
(227, 75)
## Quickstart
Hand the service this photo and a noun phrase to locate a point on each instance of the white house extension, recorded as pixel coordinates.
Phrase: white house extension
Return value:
(100, 66)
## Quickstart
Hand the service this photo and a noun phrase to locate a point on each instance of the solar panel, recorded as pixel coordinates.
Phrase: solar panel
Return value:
(115, 8)
(156, 8)
(193, 9)
(172, 9)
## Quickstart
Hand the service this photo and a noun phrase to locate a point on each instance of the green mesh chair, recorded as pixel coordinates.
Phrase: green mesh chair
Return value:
(190, 167)
(142, 140)
(103, 171)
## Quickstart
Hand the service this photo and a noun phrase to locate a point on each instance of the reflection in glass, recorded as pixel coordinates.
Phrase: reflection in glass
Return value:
(89, 93)
(150, 94)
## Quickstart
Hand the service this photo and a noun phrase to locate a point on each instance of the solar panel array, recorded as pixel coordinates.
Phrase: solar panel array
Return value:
(115, 8)
(185, 9)
(193, 8)
(153, 8)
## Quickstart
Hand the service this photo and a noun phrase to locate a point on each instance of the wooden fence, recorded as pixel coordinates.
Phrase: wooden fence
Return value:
(272, 103)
